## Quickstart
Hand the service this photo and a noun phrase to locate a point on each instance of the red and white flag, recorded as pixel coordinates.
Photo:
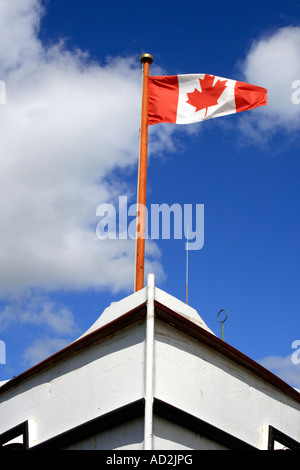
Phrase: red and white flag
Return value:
(184, 99)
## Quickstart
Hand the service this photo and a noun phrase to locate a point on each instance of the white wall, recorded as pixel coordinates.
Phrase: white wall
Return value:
(100, 379)
(187, 375)
(200, 381)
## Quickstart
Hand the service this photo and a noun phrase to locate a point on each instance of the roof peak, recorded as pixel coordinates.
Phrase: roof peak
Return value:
(141, 297)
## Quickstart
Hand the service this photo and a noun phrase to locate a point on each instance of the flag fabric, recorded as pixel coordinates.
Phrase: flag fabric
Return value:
(184, 99)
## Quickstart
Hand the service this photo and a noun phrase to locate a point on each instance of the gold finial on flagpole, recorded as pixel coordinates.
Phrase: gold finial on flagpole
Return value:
(146, 58)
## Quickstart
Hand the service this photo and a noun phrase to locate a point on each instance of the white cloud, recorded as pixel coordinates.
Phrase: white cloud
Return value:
(67, 123)
(283, 367)
(41, 349)
(19, 26)
(273, 62)
(37, 310)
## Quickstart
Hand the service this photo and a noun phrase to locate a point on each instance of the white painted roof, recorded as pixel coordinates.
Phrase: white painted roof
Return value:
(137, 299)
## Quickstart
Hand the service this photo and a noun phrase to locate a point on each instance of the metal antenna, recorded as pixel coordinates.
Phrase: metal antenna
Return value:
(187, 268)
(222, 321)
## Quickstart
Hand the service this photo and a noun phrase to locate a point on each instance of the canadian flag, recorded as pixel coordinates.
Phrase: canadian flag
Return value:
(184, 99)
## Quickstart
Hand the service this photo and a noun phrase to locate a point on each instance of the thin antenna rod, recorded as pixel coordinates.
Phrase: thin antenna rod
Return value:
(222, 321)
(187, 269)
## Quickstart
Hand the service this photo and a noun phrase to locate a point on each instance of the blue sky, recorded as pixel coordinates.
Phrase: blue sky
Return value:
(69, 139)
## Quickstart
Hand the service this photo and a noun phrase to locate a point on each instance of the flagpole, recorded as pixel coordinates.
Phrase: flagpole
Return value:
(146, 60)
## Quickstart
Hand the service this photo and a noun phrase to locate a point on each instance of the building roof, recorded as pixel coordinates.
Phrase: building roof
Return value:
(132, 309)
(137, 300)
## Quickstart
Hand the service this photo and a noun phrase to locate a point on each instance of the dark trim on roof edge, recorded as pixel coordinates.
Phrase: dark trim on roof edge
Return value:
(109, 329)
(95, 426)
(16, 431)
(278, 436)
(178, 321)
(169, 316)
(135, 410)
(197, 425)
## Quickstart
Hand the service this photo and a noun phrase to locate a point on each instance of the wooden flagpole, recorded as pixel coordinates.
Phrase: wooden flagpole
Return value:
(146, 60)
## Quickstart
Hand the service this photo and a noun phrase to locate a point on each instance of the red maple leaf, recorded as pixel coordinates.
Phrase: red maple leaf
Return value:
(209, 95)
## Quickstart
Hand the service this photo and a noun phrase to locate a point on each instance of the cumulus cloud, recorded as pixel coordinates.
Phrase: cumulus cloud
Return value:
(284, 367)
(37, 310)
(67, 124)
(41, 349)
(273, 62)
